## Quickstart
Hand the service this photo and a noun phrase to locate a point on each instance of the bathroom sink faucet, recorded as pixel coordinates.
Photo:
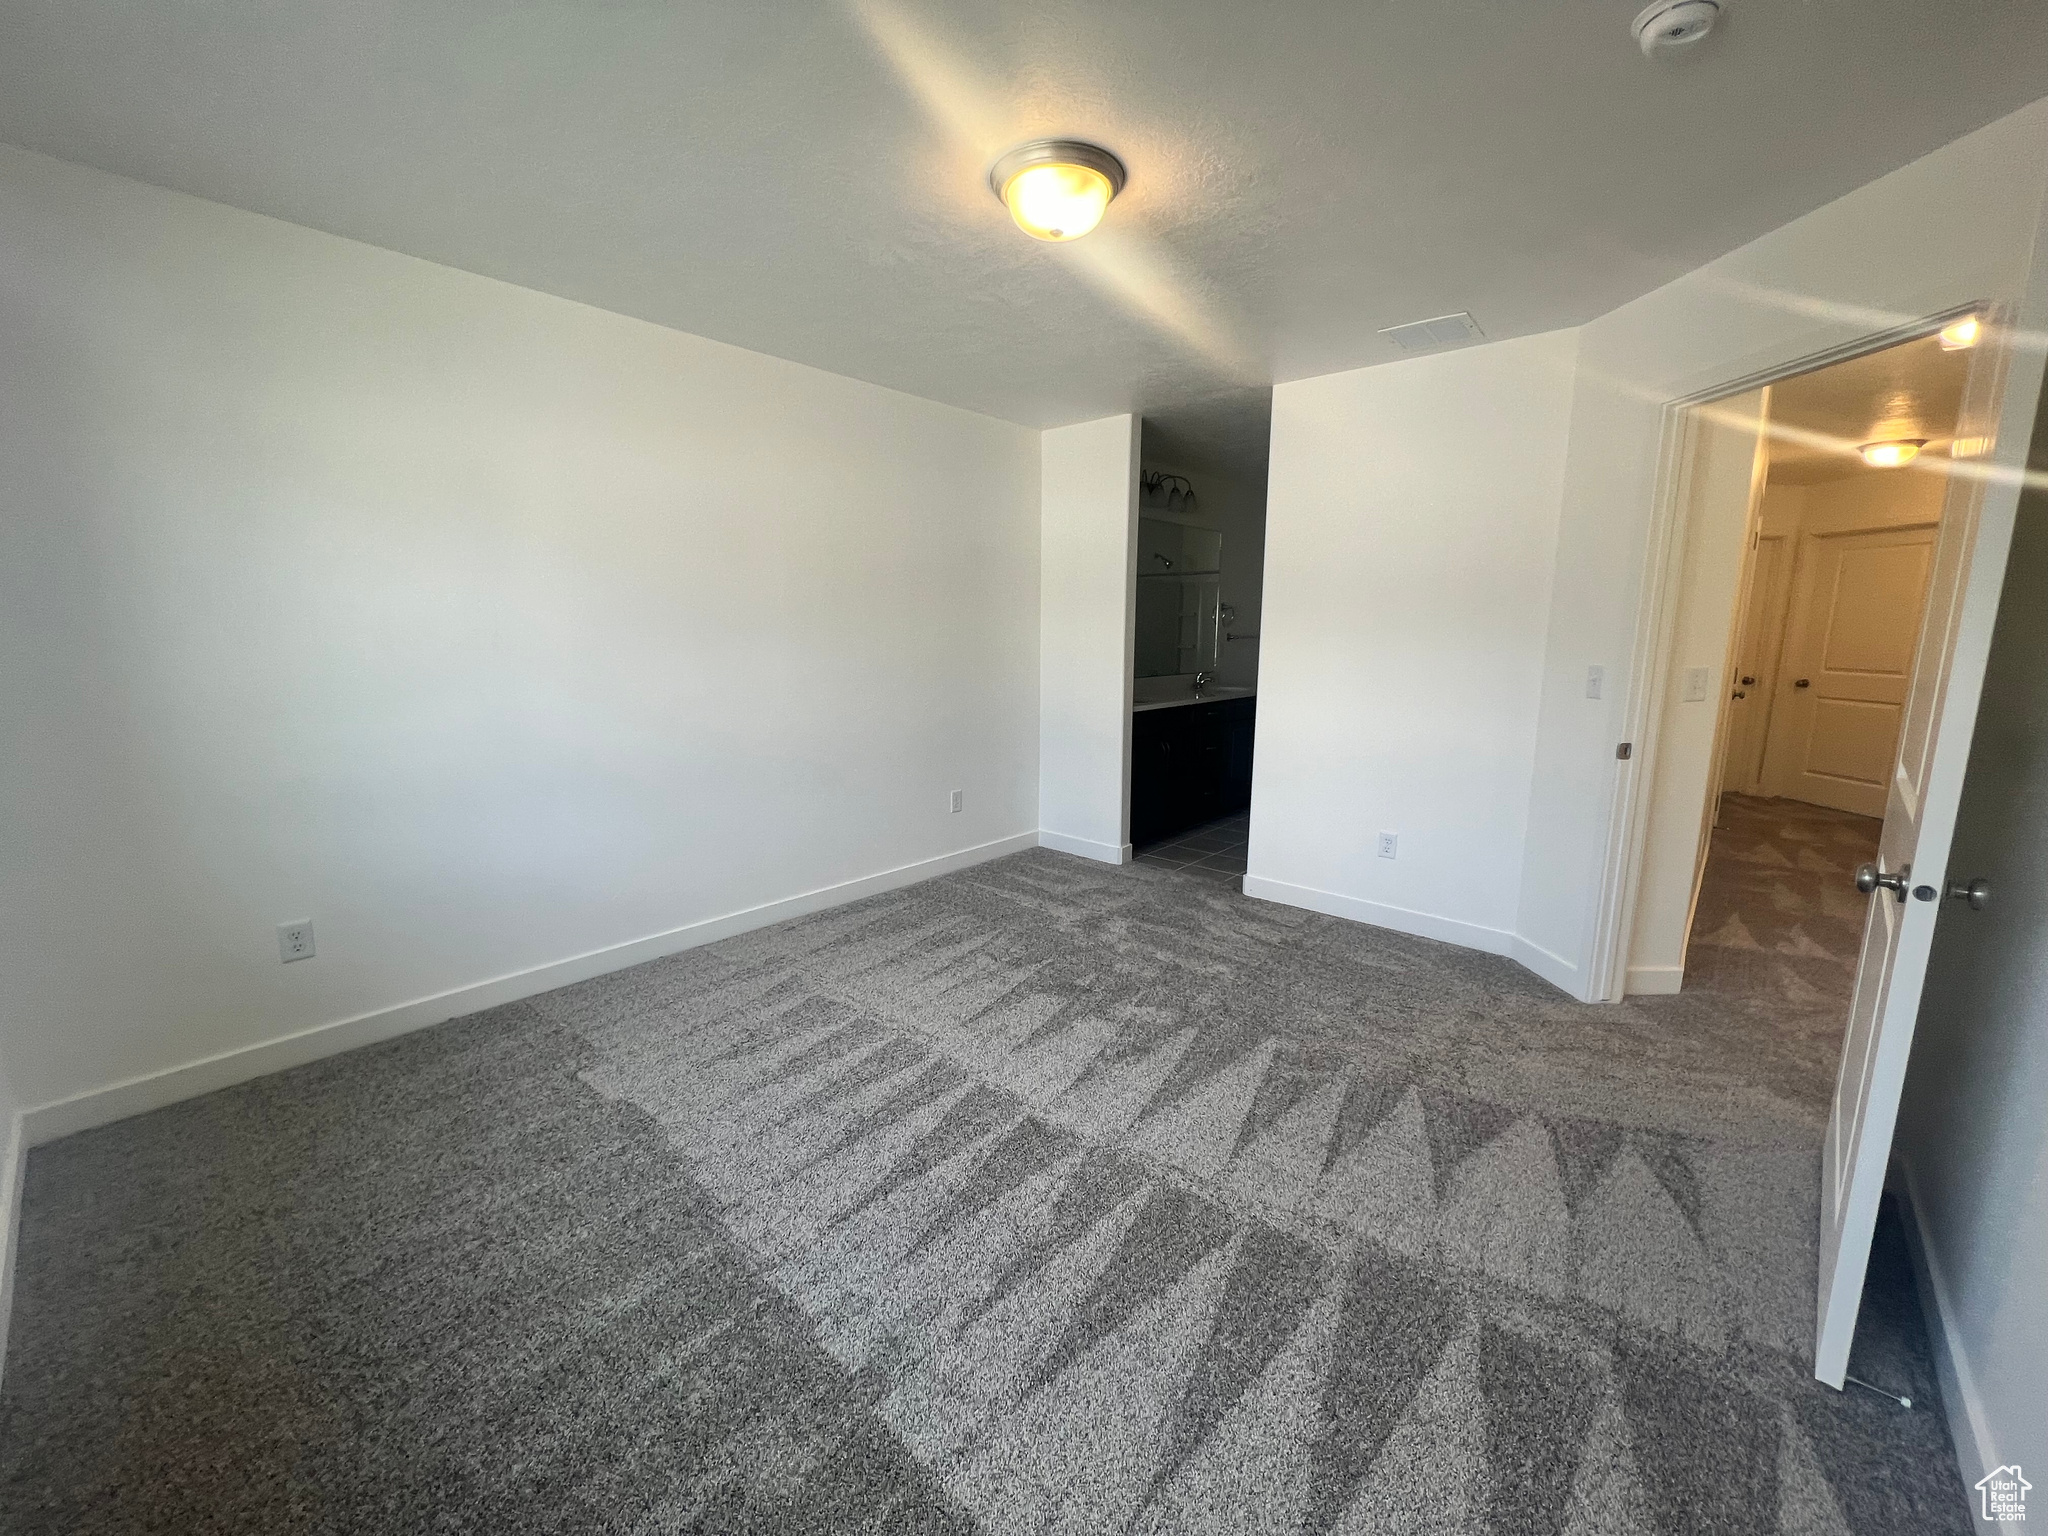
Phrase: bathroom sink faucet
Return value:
(1203, 680)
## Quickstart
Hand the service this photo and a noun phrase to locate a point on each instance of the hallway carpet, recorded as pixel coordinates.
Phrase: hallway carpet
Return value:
(1779, 914)
(1044, 1197)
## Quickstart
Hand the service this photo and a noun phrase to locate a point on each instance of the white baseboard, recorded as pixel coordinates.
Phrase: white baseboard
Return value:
(1423, 925)
(1553, 968)
(1969, 1426)
(1653, 980)
(138, 1095)
(1087, 848)
(12, 1163)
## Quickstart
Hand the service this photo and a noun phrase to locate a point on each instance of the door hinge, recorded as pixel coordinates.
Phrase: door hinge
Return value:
(1625, 751)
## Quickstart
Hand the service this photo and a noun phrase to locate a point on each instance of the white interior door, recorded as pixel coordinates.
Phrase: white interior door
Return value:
(1756, 661)
(1854, 622)
(1938, 714)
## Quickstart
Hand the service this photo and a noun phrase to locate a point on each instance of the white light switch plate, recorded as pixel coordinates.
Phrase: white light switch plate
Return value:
(1596, 677)
(1696, 684)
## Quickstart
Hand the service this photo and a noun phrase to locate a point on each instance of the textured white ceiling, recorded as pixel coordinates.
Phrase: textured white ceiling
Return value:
(1822, 418)
(806, 178)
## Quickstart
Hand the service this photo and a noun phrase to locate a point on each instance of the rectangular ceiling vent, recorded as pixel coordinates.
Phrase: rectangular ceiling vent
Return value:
(1430, 335)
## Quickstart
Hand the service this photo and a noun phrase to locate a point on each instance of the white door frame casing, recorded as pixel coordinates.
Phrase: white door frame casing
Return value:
(1723, 458)
(1652, 651)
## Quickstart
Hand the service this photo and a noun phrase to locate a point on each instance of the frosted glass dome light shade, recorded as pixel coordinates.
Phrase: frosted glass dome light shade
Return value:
(1892, 455)
(1057, 189)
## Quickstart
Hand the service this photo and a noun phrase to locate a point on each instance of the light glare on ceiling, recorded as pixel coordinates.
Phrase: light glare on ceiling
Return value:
(1959, 334)
(1892, 454)
(1057, 189)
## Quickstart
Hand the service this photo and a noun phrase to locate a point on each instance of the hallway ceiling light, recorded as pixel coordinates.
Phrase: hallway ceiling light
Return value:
(1958, 334)
(1890, 455)
(1057, 189)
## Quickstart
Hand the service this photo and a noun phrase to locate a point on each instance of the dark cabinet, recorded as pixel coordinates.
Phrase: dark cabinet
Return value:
(1190, 763)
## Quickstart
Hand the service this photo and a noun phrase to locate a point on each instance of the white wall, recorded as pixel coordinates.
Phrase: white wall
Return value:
(485, 629)
(11, 1169)
(1973, 1124)
(1783, 507)
(1411, 516)
(1878, 499)
(1954, 228)
(1726, 465)
(1088, 542)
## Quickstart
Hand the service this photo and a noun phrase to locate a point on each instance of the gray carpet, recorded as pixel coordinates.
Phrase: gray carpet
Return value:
(1044, 1197)
(1779, 915)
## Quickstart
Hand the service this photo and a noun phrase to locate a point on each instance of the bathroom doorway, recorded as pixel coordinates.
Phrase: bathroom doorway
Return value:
(1201, 532)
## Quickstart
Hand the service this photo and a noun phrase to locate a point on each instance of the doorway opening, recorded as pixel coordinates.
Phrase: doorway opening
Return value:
(1815, 504)
(1877, 661)
(1199, 568)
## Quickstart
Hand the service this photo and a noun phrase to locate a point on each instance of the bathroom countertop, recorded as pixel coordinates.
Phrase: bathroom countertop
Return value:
(1208, 696)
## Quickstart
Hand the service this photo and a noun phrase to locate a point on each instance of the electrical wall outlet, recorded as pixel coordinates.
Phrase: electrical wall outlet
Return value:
(1390, 844)
(1696, 679)
(959, 800)
(295, 941)
(1596, 679)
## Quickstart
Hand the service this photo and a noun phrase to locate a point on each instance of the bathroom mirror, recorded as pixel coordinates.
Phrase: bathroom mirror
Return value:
(1179, 597)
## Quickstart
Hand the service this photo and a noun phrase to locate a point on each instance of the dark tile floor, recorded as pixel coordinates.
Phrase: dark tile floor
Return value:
(1212, 852)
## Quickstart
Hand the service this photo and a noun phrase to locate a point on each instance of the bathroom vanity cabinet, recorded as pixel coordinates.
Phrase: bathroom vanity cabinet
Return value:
(1190, 763)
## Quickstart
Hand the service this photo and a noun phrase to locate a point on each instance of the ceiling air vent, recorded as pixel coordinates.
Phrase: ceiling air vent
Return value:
(1430, 335)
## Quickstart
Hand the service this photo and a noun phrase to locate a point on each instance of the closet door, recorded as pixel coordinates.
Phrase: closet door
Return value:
(1841, 695)
(1757, 661)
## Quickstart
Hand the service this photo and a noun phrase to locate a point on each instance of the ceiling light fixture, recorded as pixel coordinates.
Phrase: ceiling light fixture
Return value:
(1057, 189)
(1958, 335)
(1890, 455)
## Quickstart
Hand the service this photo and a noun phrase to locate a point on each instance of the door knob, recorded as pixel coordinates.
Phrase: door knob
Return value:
(1868, 879)
(1802, 682)
(1977, 893)
(1741, 694)
(1749, 682)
